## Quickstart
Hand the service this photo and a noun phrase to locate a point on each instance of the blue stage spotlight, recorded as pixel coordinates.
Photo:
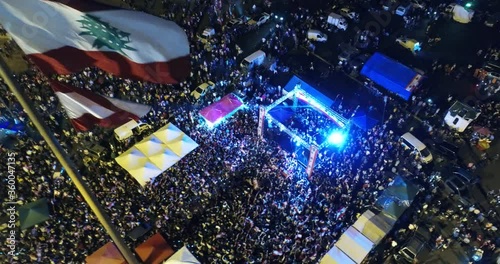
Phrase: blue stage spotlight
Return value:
(336, 138)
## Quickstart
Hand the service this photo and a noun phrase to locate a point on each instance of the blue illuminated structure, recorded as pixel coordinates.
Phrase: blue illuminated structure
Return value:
(392, 75)
(300, 94)
(337, 138)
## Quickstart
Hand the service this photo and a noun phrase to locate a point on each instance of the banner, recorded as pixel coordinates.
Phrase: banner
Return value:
(262, 117)
(313, 153)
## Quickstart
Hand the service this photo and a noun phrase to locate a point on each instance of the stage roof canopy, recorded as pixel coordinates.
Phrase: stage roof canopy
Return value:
(325, 100)
(391, 75)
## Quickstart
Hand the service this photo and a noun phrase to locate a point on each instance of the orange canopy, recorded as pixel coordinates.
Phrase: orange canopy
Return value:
(154, 250)
(107, 254)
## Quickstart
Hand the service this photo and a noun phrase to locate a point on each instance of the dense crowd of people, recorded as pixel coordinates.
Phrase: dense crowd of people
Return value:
(236, 199)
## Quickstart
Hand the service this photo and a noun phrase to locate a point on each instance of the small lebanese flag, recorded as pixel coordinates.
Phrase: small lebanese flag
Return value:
(86, 109)
(63, 38)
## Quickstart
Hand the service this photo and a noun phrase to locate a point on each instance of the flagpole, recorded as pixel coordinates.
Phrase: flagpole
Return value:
(68, 165)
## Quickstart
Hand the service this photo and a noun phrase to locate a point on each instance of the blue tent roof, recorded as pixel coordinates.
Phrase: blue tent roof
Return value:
(363, 121)
(390, 74)
(325, 100)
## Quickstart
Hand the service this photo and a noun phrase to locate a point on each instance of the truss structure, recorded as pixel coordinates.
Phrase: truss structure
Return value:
(298, 93)
(295, 94)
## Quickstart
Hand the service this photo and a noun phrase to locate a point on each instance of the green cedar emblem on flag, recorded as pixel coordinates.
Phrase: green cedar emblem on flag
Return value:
(105, 35)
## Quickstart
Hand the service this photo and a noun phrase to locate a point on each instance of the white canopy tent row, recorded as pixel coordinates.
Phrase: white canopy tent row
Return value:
(182, 256)
(150, 146)
(359, 239)
(355, 244)
(168, 133)
(336, 256)
(352, 247)
(372, 226)
(156, 153)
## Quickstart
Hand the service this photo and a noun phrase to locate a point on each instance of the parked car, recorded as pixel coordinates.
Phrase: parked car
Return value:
(347, 55)
(234, 22)
(418, 4)
(279, 17)
(348, 13)
(259, 20)
(411, 44)
(415, 247)
(459, 188)
(316, 35)
(202, 89)
(403, 9)
(447, 149)
(363, 39)
(465, 175)
(492, 20)
(358, 62)
(206, 35)
(449, 9)
(390, 5)
(94, 150)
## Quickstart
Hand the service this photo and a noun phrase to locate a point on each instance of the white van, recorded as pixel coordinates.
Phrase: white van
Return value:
(403, 9)
(316, 35)
(254, 59)
(409, 141)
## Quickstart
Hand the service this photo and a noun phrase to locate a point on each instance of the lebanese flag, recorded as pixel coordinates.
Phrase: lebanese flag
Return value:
(63, 38)
(86, 109)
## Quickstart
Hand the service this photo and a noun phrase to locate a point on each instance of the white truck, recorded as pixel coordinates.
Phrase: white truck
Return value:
(126, 130)
(337, 21)
(316, 35)
(206, 35)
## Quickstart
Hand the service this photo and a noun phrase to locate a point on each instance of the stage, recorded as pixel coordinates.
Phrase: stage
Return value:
(302, 125)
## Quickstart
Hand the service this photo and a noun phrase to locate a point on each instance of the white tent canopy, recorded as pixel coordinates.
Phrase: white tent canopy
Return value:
(165, 159)
(354, 244)
(131, 159)
(182, 256)
(336, 256)
(372, 226)
(156, 153)
(168, 133)
(182, 145)
(145, 173)
(150, 146)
